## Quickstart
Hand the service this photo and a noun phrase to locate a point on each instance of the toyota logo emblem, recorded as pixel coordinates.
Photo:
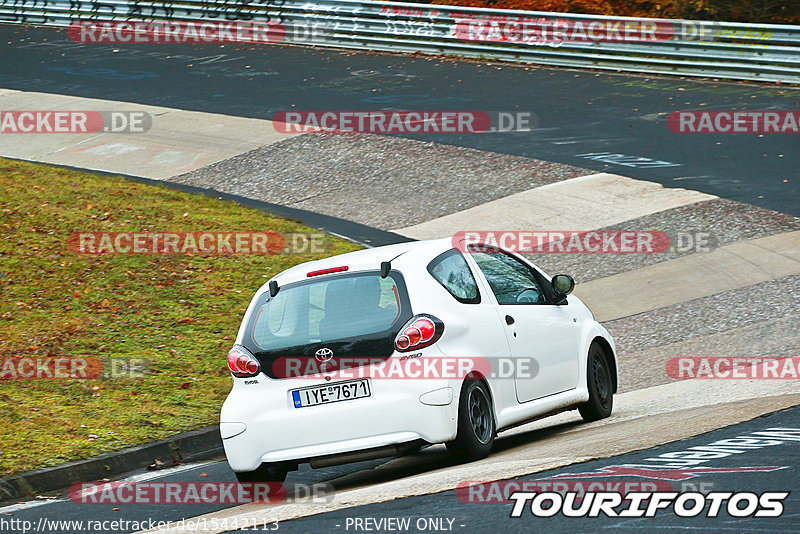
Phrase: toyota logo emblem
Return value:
(324, 355)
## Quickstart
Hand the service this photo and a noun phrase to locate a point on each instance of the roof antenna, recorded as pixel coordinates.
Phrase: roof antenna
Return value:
(386, 266)
(273, 288)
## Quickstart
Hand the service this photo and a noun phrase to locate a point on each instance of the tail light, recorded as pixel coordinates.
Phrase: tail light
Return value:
(421, 331)
(242, 364)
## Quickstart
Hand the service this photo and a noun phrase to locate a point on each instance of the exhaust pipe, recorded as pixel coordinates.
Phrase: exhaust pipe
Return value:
(368, 454)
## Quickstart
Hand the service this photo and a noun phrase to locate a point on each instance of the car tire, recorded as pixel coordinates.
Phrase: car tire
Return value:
(264, 473)
(600, 383)
(476, 430)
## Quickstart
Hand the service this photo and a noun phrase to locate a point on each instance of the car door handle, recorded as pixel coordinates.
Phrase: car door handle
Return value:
(509, 319)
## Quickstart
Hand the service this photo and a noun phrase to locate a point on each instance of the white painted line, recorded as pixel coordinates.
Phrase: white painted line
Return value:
(27, 505)
(141, 477)
(625, 160)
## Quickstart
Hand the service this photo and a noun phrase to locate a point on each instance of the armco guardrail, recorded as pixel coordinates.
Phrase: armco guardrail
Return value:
(761, 52)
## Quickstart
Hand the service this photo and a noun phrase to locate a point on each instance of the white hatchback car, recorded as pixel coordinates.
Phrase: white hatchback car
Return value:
(311, 363)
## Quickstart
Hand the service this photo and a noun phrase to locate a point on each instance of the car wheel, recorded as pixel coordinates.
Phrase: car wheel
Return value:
(476, 429)
(264, 473)
(601, 387)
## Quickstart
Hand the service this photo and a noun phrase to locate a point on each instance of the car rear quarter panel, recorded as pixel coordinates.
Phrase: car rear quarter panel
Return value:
(471, 330)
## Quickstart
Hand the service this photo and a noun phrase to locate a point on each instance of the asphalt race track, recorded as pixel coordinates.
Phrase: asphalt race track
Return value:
(62, 508)
(457, 512)
(776, 469)
(578, 112)
(740, 298)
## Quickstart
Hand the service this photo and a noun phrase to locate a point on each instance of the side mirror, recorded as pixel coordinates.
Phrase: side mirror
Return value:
(563, 284)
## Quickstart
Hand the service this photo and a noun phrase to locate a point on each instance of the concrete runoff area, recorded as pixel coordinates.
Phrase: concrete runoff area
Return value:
(583, 203)
(385, 182)
(326, 173)
(177, 142)
(698, 227)
(690, 277)
(775, 338)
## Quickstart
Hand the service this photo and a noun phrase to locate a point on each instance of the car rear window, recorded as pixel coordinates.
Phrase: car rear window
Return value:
(327, 309)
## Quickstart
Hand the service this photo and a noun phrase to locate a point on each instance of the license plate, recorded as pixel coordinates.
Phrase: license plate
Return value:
(328, 393)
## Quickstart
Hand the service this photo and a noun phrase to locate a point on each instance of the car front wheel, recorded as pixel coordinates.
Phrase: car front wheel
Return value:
(601, 386)
(476, 430)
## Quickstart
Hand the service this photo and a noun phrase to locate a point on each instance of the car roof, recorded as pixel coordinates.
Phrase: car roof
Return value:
(400, 254)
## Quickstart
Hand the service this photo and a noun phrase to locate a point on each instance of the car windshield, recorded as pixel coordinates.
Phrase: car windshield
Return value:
(331, 308)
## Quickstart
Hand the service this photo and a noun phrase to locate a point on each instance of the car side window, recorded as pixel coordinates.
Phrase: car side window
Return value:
(512, 281)
(451, 270)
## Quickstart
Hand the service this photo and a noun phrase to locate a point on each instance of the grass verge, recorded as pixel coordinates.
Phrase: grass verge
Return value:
(179, 313)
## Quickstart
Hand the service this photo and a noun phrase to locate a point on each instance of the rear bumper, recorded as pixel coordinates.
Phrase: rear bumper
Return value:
(260, 424)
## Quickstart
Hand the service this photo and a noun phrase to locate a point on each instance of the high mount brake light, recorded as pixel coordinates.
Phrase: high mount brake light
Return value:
(327, 271)
(242, 364)
(421, 331)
